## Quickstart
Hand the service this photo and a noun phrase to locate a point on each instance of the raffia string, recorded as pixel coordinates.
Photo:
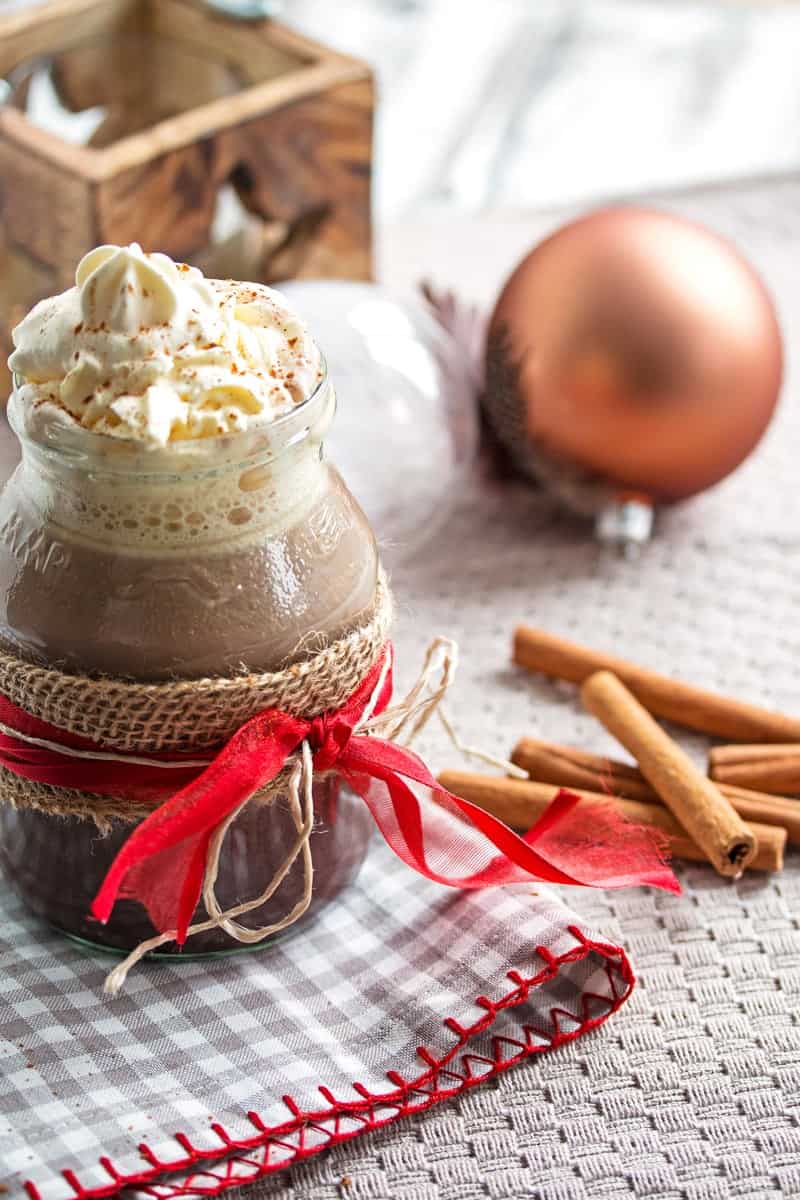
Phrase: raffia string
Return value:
(300, 782)
(414, 711)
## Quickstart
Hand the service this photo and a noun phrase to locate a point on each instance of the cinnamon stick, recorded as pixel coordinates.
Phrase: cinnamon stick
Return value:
(770, 768)
(693, 798)
(520, 804)
(761, 809)
(683, 703)
(547, 762)
(569, 767)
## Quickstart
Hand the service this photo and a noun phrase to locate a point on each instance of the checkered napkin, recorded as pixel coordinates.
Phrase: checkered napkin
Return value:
(207, 1074)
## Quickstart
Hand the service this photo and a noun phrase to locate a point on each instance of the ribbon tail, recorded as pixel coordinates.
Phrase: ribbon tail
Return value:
(415, 815)
(163, 862)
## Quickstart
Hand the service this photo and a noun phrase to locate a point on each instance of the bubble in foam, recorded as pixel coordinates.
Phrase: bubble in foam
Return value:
(240, 516)
(254, 479)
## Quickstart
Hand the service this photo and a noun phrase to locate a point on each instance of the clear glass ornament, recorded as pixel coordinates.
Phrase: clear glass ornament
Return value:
(407, 426)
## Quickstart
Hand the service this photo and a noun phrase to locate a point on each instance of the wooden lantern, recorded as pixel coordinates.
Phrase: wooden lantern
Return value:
(291, 139)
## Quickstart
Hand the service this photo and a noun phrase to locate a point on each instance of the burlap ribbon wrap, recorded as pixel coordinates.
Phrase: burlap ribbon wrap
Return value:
(181, 716)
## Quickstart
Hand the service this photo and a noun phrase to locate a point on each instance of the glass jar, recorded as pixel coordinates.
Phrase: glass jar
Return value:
(199, 560)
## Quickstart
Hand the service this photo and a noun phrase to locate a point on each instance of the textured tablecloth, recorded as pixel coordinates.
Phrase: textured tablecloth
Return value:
(693, 1091)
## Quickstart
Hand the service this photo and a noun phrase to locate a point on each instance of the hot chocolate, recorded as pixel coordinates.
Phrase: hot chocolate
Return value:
(173, 517)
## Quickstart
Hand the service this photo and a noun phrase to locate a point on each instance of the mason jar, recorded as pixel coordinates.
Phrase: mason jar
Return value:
(200, 560)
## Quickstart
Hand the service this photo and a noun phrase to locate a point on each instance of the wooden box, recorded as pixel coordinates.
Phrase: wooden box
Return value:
(290, 138)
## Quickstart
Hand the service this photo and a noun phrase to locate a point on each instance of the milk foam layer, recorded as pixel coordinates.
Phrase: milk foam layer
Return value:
(148, 350)
(184, 514)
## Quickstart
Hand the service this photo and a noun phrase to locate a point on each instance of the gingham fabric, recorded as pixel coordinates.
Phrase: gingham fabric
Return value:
(401, 993)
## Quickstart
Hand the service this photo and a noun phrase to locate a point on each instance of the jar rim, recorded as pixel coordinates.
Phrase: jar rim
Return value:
(73, 445)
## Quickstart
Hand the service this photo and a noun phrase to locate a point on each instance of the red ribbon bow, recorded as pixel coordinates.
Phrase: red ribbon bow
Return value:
(162, 864)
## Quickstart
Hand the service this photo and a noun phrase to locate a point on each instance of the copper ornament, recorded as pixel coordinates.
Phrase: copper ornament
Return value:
(632, 353)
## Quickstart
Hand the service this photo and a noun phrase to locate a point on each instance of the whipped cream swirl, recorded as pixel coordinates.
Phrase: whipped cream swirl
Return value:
(147, 349)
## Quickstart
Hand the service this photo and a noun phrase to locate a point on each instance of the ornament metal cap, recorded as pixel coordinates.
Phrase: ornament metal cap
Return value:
(626, 522)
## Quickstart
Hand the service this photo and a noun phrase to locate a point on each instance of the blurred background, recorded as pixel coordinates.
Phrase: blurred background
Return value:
(542, 103)
(494, 124)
